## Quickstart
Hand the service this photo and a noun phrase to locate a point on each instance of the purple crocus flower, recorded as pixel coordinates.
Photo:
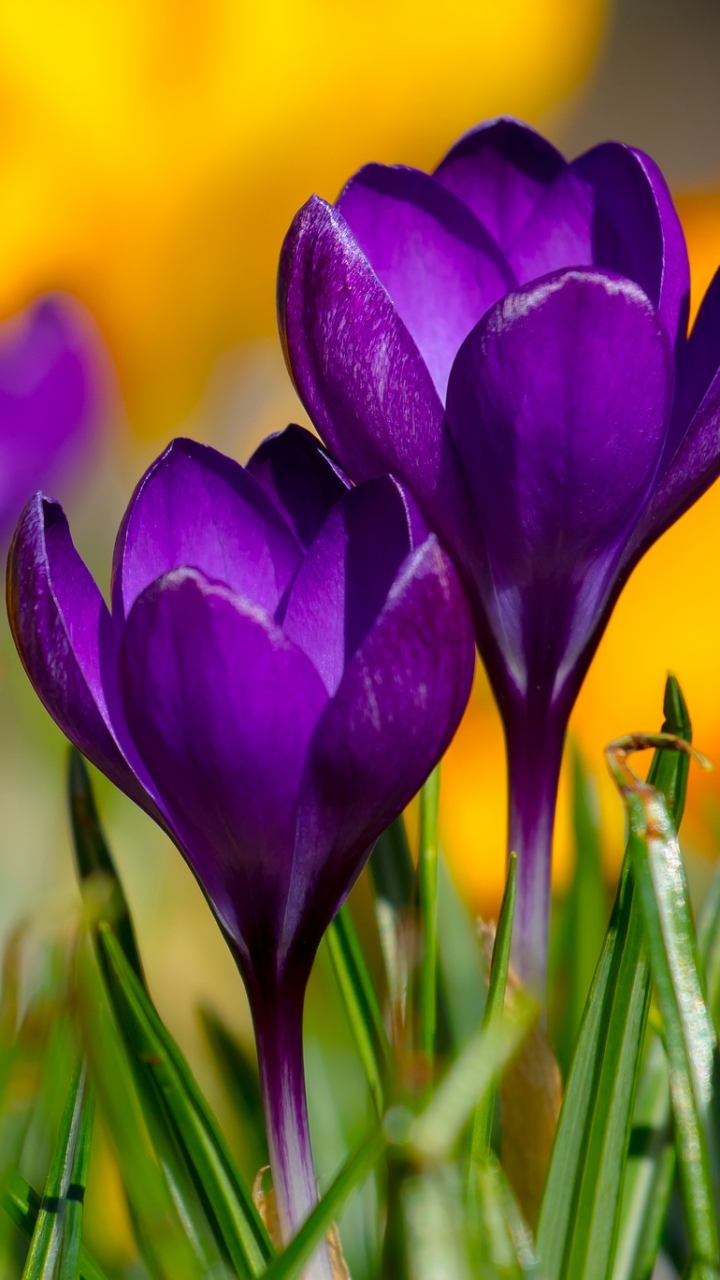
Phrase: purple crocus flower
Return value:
(286, 660)
(50, 390)
(508, 337)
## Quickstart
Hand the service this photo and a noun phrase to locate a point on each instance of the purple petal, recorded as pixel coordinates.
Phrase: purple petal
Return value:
(345, 579)
(501, 170)
(196, 507)
(440, 266)
(221, 708)
(394, 713)
(300, 478)
(49, 398)
(356, 367)
(64, 635)
(560, 439)
(636, 230)
(691, 460)
(559, 231)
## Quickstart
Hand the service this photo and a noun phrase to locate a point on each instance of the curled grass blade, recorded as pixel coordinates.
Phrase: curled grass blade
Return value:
(361, 1006)
(689, 1034)
(580, 1213)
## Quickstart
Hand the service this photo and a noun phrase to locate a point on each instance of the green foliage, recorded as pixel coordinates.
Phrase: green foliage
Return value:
(422, 1148)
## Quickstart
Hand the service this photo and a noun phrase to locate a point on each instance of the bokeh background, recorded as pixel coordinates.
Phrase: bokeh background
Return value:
(152, 155)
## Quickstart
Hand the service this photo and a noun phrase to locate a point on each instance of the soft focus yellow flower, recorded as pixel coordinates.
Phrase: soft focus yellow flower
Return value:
(152, 153)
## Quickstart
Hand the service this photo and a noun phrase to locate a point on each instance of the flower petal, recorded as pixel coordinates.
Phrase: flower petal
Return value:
(691, 461)
(394, 713)
(560, 440)
(636, 230)
(355, 365)
(221, 708)
(65, 638)
(501, 170)
(49, 397)
(345, 579)
(300, 478)
(440, 266)
(196, 507)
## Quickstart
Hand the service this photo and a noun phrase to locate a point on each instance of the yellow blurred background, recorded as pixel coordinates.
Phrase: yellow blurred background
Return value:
(152, 154)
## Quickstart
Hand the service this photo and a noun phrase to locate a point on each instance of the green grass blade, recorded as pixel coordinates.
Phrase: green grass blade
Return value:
(361, 1006)
(99, 880)
(238, 1071)
(584, 910)
(22, 1204)
(689, 1033)
(436, 1130)
(428, 895)
(501, 1241)
(435, 1231)
(73, 1223)
(354, 1171)
(485, 1110)
(650, 1172)
(393, 877)
(70, 1155)
(168, 1219)
(168, 1079)
(582, 1202)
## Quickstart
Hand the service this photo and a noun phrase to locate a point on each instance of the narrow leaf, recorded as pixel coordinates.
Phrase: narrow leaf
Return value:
(428, 887)
(98, 878)
(350, 1176)
(470, 1078)
(360, 1003)
(22, 1204)
(485, 1110)
(169, 1079)
(71, 1154)
(689, 1034)
(581, 1207)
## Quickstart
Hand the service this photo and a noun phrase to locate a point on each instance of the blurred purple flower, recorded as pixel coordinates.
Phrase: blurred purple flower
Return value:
(507, 336)
(50, 391)
(286, 660)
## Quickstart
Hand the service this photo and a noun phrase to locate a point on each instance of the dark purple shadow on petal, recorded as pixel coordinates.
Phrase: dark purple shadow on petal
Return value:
(440, 266)
(691, 460)
(65, 639)
(300, 478)
(345, 579)
(560, 440)
(635, 229)
(359, 372)
(196, 507)
(396, 708)
(221, 707)
(500, 170)
(558, 232)
(50, 395)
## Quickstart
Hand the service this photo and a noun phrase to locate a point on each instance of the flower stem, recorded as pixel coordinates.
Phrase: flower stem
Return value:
(277, 1018)
(534, 752)
(428, 883)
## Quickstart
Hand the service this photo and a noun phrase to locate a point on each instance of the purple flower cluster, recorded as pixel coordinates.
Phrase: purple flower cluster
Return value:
(286, 659)
(507, 336)
(50, 398)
